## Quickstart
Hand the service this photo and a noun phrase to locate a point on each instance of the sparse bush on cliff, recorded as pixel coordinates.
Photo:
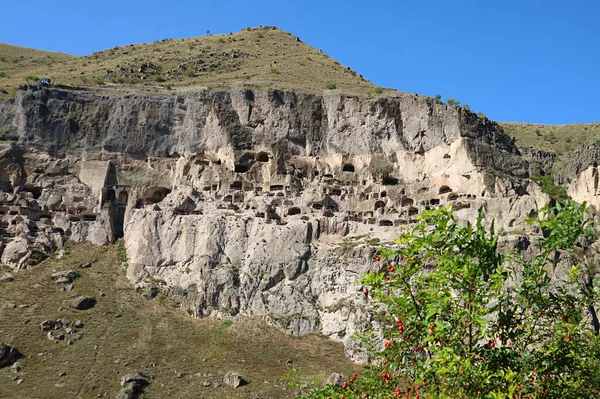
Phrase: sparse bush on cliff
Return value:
(452, 101)
(331, 86)
(462, 321)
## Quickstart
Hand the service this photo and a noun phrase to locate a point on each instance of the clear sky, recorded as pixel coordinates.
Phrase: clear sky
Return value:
(514, 60)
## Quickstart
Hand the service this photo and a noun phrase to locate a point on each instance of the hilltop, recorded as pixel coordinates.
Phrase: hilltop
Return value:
(262, 57)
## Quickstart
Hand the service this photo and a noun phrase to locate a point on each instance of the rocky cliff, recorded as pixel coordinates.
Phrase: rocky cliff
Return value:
(264, 203)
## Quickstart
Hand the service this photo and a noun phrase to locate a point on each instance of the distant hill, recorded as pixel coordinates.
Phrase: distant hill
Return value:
(263, 57)
(558, 138)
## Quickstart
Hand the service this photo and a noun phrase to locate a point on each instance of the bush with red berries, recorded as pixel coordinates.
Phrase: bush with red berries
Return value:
(463, 321)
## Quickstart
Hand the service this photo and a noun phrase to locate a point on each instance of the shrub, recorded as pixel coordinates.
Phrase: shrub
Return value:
(2, 74)
(31, 78)
(331, 86)
(452, 101)
(118, 79)
(221, 40)
(273, 70)
(98, 81)
(2, 58)
(159, 78)
(379, 90)
(438, 98)
(462, 321)
(189, 73)
(556, 192)
(481, 115)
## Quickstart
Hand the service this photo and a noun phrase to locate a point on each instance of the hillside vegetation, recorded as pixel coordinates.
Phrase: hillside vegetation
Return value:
(263, 57)
(558, 138)
(183, 357)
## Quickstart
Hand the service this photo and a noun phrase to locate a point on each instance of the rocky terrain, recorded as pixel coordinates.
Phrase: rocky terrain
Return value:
(265, 203)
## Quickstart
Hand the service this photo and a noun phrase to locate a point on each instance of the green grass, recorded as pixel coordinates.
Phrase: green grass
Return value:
(245, 58)
(125, 332)
(558, 138)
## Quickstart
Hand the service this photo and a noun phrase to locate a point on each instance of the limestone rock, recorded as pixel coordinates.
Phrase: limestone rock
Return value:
(6, 277)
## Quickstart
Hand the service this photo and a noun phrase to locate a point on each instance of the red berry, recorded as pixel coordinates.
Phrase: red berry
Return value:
(345, 385)
(431, 326)
(388, 344)
(569, 337)
(377, 258)
(366, 292)
(565, 319)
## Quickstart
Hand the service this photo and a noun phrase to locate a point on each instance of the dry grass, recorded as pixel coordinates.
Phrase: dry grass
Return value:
(264, 57)
(125, 332)
(558, 138)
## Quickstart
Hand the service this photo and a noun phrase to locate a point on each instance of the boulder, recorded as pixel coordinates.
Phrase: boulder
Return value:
(7, 277)
(16, 253)
(83, 303)
(234, 380)
(8, 355)
(133, 386)
(336, 379)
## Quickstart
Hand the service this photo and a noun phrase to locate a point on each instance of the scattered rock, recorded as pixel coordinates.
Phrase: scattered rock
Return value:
(234, 380)
(64, 276)
(83, 303)
(7, 277)
(8, 355)
(86, 265)
(206, 384)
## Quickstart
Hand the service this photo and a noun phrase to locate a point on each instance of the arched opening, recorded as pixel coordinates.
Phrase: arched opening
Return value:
(383, 194)
(379, 205)
(336, 191)
(434, 201)
(58, 230)
(276, 187)
(236, 185)
(407, 202)
(123, 197)
(294, 211)
(262, 157)
(446, 156)
(452, 196)
(317, 205)
(241, 168)
(348, 167)
(316, 173)
(413, 211)
(238, 197)
(159, 194)
(35, 191)
(444, 190)
(390, 181)
(228, 198)
(386, 223)
(217, 162)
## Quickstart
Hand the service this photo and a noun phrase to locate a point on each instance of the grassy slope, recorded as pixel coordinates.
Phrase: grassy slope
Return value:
(261, 57)
(558, 138)
(132, 333)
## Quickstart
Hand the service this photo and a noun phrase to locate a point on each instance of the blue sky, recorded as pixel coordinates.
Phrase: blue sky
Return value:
(526, 61)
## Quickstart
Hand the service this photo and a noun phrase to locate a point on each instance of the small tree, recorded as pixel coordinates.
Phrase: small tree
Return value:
(463, 321)
(452, 101)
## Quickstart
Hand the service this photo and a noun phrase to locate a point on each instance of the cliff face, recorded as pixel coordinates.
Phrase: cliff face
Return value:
(55, 120)
(260, 203)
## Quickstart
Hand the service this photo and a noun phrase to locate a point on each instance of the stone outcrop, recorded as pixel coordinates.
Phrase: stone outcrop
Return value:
(264, 203)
